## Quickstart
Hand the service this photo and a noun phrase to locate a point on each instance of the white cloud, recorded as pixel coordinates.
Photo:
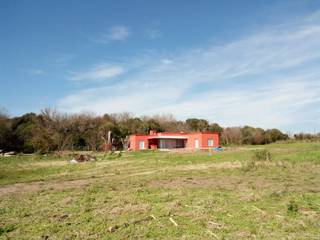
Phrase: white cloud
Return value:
(278, 103)
(100, 72)
(115, 33)
(268, 79)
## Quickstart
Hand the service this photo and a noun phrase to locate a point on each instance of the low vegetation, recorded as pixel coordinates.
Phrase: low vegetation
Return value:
(164, 195)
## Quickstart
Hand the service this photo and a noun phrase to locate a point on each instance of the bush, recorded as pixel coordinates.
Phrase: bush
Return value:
(6, 229)
(258, 156)
(292, 207)
(262, 155)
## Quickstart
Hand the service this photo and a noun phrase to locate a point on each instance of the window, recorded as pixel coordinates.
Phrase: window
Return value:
(210, 142)
(141, 145)
(162, 143)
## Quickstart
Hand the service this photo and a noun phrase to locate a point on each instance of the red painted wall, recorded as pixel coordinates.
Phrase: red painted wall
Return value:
(135, 139)
(206, 136)
(202, 138)
(191, 140)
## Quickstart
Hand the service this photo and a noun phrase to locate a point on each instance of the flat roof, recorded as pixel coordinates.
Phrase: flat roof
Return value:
(173, 134)
(167, 137)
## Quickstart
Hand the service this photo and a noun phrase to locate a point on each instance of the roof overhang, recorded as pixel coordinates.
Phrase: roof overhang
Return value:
(168, 137)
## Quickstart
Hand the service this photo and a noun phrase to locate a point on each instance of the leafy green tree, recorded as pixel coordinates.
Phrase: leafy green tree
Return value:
(195, 124)
(215, 127)
(150, 124)
(247, 133)
(133, 125)
(5, 132)
(273, 135)
(23, 129)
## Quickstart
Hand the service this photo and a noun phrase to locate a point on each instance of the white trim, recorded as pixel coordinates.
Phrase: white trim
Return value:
(168, 137)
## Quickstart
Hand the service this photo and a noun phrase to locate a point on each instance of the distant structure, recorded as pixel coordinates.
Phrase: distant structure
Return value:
(174, 140)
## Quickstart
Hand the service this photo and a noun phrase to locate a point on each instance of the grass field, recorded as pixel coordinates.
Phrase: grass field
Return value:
(162, 195)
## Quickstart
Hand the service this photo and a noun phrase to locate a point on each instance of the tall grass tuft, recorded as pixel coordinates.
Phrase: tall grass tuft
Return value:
(292, 207)
(259, 158)
(262, 155)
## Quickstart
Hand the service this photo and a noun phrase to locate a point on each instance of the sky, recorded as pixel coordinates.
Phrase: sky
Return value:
(232, 62)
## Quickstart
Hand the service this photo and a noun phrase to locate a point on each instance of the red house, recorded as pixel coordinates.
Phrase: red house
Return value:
(171, 140)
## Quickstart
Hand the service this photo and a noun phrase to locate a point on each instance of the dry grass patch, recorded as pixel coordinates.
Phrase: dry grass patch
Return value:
(22, 188)
(221, 165)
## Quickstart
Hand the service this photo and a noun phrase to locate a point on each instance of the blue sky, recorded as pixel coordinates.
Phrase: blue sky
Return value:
(231, 62)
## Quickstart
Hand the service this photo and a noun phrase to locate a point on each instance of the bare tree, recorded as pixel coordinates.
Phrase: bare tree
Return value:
(56, 128)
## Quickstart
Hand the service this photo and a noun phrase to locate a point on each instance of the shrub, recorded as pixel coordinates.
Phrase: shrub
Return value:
(262, 155)
(6, 229)
(292, 207)
(258, 156)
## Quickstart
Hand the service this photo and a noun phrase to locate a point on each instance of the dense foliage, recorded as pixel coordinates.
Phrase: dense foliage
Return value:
(55, 131)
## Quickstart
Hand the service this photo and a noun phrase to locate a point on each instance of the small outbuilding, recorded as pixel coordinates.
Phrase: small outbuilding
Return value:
(173, 140)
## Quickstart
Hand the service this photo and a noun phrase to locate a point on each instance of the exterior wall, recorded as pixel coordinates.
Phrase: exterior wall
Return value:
(203, 140)
(206, 136)
(190, 142)
(135, 139)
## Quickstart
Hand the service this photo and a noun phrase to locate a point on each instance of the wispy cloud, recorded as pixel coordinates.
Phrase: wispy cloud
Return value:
(268, 79)
(98, 73)
(63, 59)
(37, 71)
(153, 33)
(115, 33)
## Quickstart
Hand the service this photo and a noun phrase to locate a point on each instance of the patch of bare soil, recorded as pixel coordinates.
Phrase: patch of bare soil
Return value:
(19, 188)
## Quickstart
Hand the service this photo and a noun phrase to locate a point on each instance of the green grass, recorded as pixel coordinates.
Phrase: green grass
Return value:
(209, 196)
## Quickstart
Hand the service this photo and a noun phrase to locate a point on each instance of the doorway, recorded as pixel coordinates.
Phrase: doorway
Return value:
(196, 143)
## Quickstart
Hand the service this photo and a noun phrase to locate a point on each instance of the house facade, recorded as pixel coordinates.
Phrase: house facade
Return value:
(173, 140)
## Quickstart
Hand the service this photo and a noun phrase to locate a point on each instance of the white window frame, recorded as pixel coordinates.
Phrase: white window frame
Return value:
(141, 145)
(210, 142)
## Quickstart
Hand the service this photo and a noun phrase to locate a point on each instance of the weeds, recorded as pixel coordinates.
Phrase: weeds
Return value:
(111, 155)
(292, 207)
(6, 229)
(262, 155)
(259, 158)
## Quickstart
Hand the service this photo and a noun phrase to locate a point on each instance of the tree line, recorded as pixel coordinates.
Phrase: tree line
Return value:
(51, 130)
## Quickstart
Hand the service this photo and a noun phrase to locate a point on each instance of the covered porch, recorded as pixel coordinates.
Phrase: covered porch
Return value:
(167, 142)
